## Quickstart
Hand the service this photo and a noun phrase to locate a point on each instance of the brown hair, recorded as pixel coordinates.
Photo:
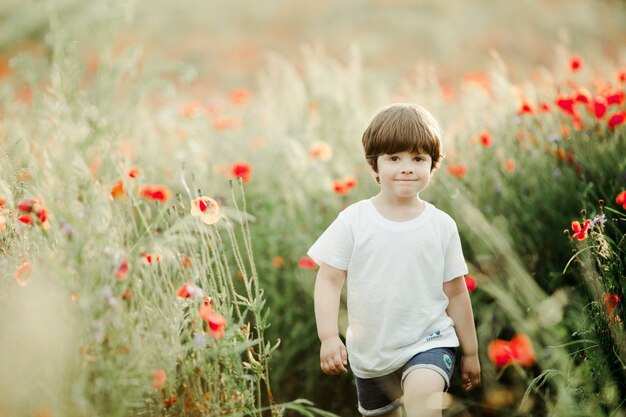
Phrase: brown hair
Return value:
(400, 128)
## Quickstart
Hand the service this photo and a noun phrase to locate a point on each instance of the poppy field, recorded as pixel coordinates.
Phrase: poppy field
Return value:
(154, 222)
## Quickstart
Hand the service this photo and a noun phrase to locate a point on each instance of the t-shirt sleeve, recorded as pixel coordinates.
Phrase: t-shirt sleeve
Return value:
(334, 246)
(455, 265)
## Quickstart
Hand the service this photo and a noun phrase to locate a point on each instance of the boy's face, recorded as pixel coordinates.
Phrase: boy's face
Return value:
(404, 174)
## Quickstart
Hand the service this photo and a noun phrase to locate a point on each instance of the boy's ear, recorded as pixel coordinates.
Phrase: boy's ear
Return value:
(374, 173)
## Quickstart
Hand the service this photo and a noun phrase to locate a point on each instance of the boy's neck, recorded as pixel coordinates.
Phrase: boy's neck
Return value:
(398, 209)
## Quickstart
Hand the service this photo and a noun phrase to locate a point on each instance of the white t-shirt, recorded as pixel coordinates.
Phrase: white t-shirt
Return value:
(396, 271)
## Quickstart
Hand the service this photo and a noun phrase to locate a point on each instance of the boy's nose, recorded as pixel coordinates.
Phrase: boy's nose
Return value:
(407, 171)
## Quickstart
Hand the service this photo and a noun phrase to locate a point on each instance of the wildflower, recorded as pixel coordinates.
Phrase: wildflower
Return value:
(26, 206)
(621, 199)
(22, 273)
(616, 97)
(215, 321)
(598, 106)
(621, 76)
(118, 190)
(522, 350)
(3, 222)
(155, 192)
(344, 185)
(242, 170)
(525, 108)
(580, 232)
(575, 63)
(518, 351)
(133, 172)
(509, 165)
(240, 96)
(617, 119)
(470, 283)
(158, 378)
(306, 263)
(457, 171)
(199, 340)
(122, 271)
(206, 208)
(566, 104)
(189, 290)
(2, 201)
(544, 107)
(499, 352)
(26, 219)
(278, 262)
(610, 301)
(109, 297)
(321, 150)
(598, 219)
(583, 95)
(485, 139)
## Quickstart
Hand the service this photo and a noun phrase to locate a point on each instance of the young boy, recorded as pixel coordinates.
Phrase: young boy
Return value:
(408, 306)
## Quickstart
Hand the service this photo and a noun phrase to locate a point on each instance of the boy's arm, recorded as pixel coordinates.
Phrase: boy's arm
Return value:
(328, 284)
(460, 311)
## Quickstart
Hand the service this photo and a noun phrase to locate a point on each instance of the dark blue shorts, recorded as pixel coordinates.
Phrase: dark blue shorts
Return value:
(382, 394)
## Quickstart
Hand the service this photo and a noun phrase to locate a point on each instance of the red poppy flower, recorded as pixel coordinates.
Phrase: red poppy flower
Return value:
(339, 187)
(242, 170)
(470, 283)
(155, 192)
(206, 208)
(118, 190)
(566, 104)
(215, 321)
(583, 95)
(122, 271)
(544, 107)
(225, 123)
(610, 301)
(575, 63)
(621, 199)
(598, 106)
(499, 352)
(617, 119)
(522, 350)
(580, 232)
(518, 350)
(240, 96)
(321, 150)
(458, 170)
(189, 290)
(158, 378)
(509, 165)
(2, 201)
(616, 97)
(621, 76)
(185, 261)
(485, 139)
(26, 206)
(133, 172)
(26, 219)
(306, 263)
(525, 108)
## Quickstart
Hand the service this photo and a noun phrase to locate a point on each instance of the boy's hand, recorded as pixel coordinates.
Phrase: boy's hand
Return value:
(470, 371)
(333, 356)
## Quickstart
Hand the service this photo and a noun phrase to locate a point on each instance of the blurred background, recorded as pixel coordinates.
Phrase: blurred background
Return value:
(193, 93)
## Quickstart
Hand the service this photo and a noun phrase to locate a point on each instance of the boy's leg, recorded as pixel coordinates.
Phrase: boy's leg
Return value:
(423, 393)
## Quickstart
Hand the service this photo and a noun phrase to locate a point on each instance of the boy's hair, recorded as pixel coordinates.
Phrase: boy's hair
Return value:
(399, 128)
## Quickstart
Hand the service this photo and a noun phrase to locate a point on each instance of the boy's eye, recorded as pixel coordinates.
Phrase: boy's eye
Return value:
(419, 158)
(394, 158)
